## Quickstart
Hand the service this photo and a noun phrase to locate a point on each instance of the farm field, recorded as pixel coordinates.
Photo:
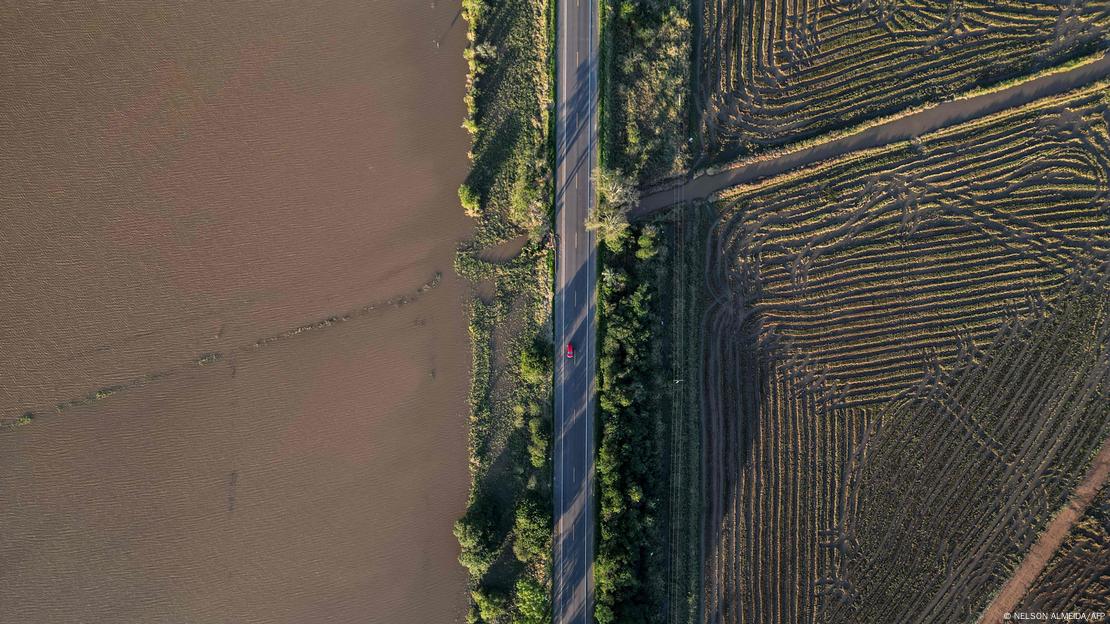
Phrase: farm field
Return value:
(1052, 541)
(906, 356)
(1077, 578)
(772, 72)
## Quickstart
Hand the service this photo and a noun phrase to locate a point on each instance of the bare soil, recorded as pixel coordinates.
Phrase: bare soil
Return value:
(211, 215)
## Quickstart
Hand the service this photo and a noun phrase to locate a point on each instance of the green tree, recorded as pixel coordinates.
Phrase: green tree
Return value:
(531, 531)
(646, 247)
(535, 363)
(491, 603)
(476, 532)
(616, 189)
(627, 464)
(617, 195)
(532, 601)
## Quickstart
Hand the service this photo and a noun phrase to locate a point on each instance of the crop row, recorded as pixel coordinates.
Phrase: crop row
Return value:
(963, 472)
(906, 368)
(775, 71)
(1078, 577)
(871, 264)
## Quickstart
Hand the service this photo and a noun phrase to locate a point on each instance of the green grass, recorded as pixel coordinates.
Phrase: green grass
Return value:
(677, 362)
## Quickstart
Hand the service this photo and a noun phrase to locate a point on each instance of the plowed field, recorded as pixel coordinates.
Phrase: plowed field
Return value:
(774, 71)
(907, 359)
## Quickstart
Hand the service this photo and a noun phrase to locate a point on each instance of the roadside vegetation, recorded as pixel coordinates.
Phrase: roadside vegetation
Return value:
(642, 573)
(616, 196)
(505, 532)
(652, 297)
(629, 550)
(645, 69)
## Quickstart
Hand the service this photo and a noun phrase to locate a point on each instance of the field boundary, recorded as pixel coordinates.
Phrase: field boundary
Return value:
(680, 307)
(1050, 540)
(1043, 101)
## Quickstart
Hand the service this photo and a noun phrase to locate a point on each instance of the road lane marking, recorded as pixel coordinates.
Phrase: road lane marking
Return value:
(567, 600)
(560, 554)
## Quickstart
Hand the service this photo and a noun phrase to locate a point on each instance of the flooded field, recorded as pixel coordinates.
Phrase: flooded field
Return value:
(226, 301)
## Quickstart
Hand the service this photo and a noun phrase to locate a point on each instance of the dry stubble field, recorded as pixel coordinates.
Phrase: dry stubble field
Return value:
(906, 369)
(1078, 577)
(775, 71)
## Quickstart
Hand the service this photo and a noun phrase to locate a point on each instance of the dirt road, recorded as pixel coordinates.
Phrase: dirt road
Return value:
(1049, 541)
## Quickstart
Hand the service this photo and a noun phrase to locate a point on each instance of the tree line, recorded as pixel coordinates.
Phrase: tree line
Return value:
(628, 464)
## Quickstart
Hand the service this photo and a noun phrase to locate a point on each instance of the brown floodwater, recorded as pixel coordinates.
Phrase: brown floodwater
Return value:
(228, 219)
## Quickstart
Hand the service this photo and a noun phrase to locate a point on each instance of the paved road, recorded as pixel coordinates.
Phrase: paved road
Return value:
(901, 129)
(575, 311)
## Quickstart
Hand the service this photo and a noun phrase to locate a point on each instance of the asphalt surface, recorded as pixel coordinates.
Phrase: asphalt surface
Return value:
(575, 310)
(901, 129)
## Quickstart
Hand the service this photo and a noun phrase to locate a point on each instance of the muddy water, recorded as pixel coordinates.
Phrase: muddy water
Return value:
(222, 217)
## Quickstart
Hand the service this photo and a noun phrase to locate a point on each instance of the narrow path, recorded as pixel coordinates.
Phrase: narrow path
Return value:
(900, 129)
(1049, 541)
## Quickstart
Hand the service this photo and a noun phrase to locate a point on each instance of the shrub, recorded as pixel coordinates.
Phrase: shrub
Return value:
(535, 363)
(491, 603)
(617, 195)
(532, 601)
(469, 198)
(538, 441)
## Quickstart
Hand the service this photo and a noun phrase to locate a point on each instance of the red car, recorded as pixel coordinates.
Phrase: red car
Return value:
(570, 350)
